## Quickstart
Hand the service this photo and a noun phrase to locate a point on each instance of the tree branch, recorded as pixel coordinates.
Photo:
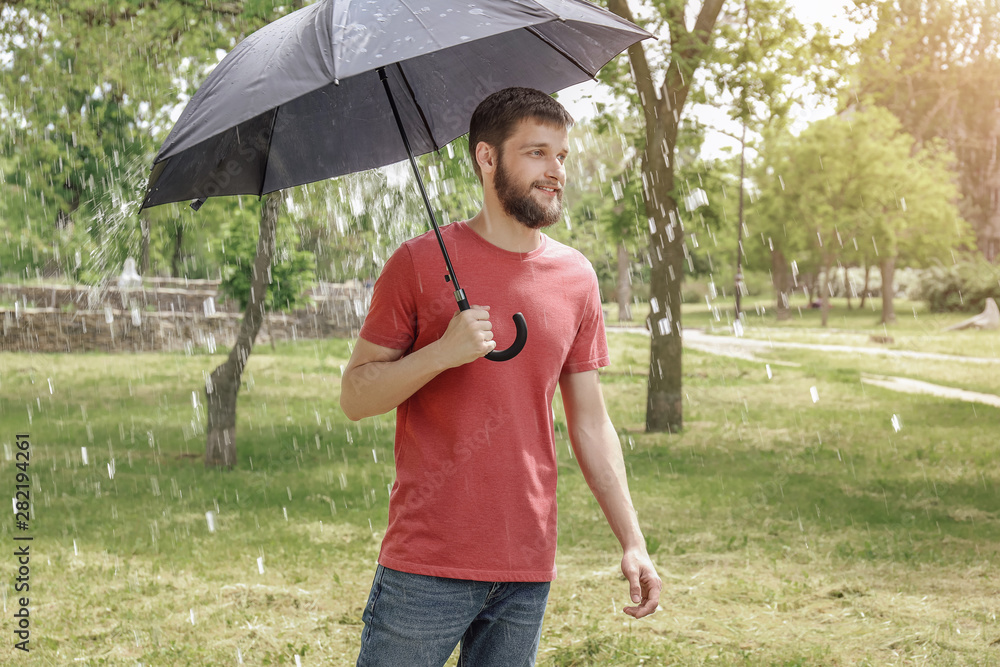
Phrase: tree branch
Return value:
(640, 66)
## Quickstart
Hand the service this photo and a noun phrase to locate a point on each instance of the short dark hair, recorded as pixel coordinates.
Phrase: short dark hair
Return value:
(497, 116)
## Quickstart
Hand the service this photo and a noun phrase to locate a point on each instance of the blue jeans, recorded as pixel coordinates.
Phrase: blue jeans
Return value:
(413, 620)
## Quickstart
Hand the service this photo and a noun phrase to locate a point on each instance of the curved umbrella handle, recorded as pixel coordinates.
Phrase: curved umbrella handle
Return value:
(519, 340)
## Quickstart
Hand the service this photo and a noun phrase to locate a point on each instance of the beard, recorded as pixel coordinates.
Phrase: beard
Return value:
(518, 202)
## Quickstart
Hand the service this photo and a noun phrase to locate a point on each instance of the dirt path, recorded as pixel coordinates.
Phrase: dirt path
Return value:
(699, 340)
(909, 386)
(748, 348)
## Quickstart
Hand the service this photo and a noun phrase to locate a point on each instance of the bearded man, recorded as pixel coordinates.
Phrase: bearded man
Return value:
(469, 550)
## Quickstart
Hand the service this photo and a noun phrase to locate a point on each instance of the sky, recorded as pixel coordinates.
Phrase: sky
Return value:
(579, 100)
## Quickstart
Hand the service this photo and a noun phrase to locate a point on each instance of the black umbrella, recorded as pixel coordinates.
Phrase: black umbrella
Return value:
(343, 86)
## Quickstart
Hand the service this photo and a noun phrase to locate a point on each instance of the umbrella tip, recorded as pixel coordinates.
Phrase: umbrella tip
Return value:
(196, 203)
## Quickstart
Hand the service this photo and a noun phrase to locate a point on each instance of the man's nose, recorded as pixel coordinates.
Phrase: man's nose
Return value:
(556, 169)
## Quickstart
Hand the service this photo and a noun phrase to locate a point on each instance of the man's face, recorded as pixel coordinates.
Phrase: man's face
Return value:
(530, 173)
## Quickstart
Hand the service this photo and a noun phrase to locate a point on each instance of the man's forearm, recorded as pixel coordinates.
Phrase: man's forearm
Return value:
(379, 386)
(600, 457)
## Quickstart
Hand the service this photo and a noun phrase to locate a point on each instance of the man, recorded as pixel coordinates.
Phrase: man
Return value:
(470, 546)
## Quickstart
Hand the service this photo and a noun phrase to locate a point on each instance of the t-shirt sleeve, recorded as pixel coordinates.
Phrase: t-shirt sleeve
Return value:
(589, 350)
(392, 316)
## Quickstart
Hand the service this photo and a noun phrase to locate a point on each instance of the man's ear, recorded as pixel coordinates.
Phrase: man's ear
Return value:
(486, 157)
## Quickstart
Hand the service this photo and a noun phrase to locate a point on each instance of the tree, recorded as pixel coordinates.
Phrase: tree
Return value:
(927, 61)
(223, 383)
(773, 64)
(662, 107)
(87, 93)
(754, 82)
(852, 182)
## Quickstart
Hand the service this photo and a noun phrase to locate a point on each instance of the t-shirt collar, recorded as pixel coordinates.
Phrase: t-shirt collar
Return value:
(463, 228)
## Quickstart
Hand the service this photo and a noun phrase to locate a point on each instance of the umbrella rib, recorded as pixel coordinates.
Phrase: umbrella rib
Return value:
(267, 154)
(561, 51)
(413, 96)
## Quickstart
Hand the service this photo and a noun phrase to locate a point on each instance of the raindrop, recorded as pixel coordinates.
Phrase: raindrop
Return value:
(210, 518)
(50, 386)
(814, 394)
(738, 329)
(663, 325)
(192, 617)
(260, 564)
(477, 12)
(767, 367)
(896, 425)
(75, 551)
(284, 511)
(83, 453)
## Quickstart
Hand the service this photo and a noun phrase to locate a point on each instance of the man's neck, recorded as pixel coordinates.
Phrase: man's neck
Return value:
(503, 231)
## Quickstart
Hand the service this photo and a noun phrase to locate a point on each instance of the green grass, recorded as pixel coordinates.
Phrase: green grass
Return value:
(787, 532)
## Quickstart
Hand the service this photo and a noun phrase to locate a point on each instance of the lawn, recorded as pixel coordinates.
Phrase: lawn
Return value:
(861, 528)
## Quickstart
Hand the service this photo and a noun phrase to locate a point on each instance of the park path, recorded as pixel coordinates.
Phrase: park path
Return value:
(748, 348)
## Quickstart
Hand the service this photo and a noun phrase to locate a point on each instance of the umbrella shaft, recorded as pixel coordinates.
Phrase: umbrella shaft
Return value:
(459, 292)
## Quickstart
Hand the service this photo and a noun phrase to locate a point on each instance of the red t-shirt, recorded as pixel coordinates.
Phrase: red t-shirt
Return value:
(475, 489)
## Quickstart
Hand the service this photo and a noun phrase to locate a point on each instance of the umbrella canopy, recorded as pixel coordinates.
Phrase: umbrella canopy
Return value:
(301, 100)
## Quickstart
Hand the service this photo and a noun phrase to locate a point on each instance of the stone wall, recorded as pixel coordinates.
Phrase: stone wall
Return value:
(82, 297)
(73, 326)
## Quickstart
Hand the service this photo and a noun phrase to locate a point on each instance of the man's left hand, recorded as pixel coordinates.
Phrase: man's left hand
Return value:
(644, 583)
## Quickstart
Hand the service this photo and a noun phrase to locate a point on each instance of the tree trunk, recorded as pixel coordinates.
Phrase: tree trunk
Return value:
(224, 382)
(739, 223)
(662, 111)
(888, 269)
(864, 292)
(847, 289)
(824, 294)
(175, 261)
(624, 291)
(781, 279)
(144, 253)
(270, 332)
(664, 406)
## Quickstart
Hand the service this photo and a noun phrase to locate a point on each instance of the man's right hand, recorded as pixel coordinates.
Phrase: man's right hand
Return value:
(468, 337)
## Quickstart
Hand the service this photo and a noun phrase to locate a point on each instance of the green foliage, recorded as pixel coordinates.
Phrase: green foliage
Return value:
(963, 286)
(927, 63)
(292, 270)
(88, 92)
(763, 56)
(852, 188)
